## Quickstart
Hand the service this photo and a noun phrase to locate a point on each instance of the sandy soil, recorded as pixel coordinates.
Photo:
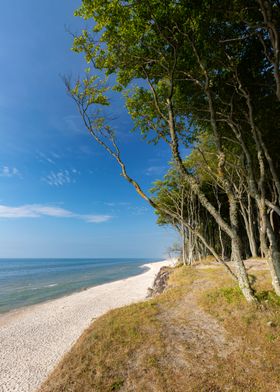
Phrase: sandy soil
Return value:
(33, 339)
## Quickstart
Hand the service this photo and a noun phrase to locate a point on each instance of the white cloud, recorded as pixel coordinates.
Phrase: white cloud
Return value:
(52, 211)
(51, 158)
(6, 171)
(60, 178)
(17, 212)
(55, 155)
(96, 218)
(38, 210)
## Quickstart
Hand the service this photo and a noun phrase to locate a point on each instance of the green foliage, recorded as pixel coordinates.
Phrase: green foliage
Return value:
(116, 385)
(199, 76)
(91, 90)
(232, 295)
(169, 46)
(269, 297)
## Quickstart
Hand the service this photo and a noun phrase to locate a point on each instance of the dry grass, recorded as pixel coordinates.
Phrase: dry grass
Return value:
(256, 363)
(208, 260)
(198, 336)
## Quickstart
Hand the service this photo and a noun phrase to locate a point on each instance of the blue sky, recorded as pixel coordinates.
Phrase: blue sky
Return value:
(60, 194)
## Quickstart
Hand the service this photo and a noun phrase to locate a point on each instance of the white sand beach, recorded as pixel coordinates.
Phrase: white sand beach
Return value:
(33, 339)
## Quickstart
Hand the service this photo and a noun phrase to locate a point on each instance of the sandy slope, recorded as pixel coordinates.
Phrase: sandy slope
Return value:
(33, 339)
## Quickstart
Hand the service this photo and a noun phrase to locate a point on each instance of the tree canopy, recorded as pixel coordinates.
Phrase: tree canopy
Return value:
(204, 76)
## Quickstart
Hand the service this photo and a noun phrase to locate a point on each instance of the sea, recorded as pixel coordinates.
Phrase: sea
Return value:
(26, 282)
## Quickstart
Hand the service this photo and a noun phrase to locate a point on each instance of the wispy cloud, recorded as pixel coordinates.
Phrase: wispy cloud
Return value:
(61, 177)
(117, 204)
(155, 170)
(71, 124)
(44, 158)
(55, 155)
(51, 158)
(96, 218)
(6, 171)
(120, 206)
(39, 210)
(134, 210)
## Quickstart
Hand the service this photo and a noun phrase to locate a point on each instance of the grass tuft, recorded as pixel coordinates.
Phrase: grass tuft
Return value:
(232, 295)
(269, 297)
(116, 386)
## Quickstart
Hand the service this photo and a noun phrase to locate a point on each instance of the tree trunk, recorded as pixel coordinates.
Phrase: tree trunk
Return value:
(262, 230)
(243, 279)
(241, 273)
(248, 222)
(274, 258)
(236, 246)
(251, 229)
(183, 236)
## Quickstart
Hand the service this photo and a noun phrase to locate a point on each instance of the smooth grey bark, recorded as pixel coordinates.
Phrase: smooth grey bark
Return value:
(193, 233)
(183, 236)
(260, 196)
(220, 231)
(242, 275)
(274, 258)
(246, 212)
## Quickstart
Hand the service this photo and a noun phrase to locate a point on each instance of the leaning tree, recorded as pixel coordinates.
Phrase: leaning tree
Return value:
(196, 67)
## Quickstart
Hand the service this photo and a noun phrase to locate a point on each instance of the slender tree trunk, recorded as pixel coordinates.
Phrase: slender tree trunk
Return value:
(241, 271)
(248, 222)
(183, 237)
(262, 230)
(260, 196)
(220, 231)
(252, 238)
(270, 164)
(195, 235)
(274, 258)
(237, 253)
(190, 250)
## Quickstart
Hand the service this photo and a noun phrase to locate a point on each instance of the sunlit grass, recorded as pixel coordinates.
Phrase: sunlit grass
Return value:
(141, 348)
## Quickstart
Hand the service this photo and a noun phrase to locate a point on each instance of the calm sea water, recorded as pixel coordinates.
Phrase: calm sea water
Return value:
(29, 281)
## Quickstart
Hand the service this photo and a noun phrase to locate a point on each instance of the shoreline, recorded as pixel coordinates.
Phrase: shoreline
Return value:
(67, 292)
(33, 339)
(26, 307)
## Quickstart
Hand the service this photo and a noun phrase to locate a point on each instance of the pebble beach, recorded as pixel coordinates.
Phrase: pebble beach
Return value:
(35, 338)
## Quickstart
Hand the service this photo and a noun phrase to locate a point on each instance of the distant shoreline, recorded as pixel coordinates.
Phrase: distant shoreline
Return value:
(27, 282)
(16, 311)
(35, 338)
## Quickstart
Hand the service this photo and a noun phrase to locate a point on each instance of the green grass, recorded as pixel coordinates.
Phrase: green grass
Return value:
(269, 297)
(232, 295)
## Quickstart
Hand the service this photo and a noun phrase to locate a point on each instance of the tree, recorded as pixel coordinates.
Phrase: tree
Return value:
(200, 68)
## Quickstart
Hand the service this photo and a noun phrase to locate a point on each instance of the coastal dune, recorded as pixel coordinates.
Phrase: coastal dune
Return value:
(33, 339)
